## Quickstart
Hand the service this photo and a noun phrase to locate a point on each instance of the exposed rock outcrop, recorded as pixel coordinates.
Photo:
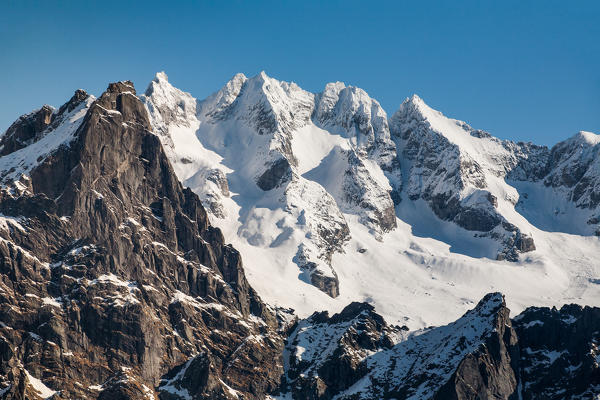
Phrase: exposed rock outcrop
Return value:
(543, 353)
(460, 172)
(112, 277)
(559, 354)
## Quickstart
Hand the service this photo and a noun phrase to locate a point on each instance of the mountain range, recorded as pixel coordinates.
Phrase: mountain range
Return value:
(366, 261)
(325, 190)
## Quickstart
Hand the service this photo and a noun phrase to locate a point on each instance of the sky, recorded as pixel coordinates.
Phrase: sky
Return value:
(522, 70)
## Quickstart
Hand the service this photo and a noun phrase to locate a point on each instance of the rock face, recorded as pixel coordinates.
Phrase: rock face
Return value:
(559, 356)
(543, 353)
(112, 280)
(460, 172)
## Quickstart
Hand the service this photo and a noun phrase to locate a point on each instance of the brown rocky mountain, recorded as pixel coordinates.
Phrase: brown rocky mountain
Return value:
(112, 277)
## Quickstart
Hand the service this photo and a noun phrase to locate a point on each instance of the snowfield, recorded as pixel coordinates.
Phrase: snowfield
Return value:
(343, 168)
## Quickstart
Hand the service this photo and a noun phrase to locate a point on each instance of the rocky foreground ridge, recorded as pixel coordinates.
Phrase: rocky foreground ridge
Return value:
(114, 285)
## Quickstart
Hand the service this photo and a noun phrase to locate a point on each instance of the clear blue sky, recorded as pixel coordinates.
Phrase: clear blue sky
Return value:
(523, 70)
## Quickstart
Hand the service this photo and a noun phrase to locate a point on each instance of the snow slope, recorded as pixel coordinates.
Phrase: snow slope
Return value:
(306, 187)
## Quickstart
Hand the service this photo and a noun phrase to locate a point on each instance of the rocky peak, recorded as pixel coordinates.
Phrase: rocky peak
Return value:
(27, 129)
(353, 110)
(270, 108)
(122, 280)
(327, 100)
(460, 172)
(79, 96)
(327, 355)
(17, 165)
(574, 161)
(31, 127)
(350, 111)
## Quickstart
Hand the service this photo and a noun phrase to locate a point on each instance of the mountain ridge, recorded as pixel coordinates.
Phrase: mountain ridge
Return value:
(365, 172)
(115, 284)
(322, 180)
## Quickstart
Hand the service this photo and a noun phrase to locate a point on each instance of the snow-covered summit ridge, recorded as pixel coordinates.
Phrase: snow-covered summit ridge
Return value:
(460, 171)
(266, 104)
(574, 171)
(172, 104)
(277, 143)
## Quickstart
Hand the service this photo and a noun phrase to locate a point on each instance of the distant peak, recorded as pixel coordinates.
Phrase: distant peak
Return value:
(416, 103)
(234, 85)
(581, 138)
(160, 84)
(588, 137)
(335, 87)
(121, 87)
(236, 81)
(161, 76)
(79, 96)
(239, 77)
(260, 77)
(414, 100)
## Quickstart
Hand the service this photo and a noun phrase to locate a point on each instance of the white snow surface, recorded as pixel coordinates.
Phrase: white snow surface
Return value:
(423, 272)
(43, 390)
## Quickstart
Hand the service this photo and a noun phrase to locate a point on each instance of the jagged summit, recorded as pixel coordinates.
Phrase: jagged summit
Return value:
(161, 76)
(415, 99)
(31, 127)
(36, 136)
(460, 172)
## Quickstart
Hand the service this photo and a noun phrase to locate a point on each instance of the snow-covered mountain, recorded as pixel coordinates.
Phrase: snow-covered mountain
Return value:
(294, 162)
(460, 172)
(324, 190)
(568, 197)
(115, 282)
